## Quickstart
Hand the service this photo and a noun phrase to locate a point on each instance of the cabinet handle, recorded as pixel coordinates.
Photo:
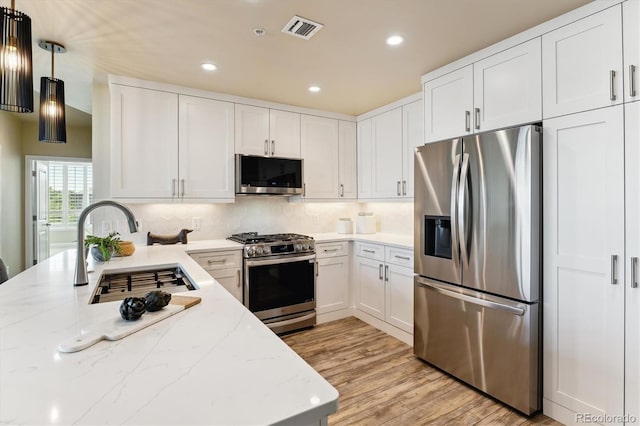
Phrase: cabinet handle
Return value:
(304, 189)
(173, 187)
(380, 271)
(614, 267)
(238, 272)
(216, 261)
(632, 80)
(398, 188)
(386, 273)
(404, 187)
(634, 272)
(402, 257)
(477, 118)
(182, 185)
(316, 266)
(273, 147)
(467, 121)
(369, 251)
(266, 147)
(341, 190)
(330, 250)
(612, 77)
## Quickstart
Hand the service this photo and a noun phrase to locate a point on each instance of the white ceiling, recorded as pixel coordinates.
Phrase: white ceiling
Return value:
(167, 40)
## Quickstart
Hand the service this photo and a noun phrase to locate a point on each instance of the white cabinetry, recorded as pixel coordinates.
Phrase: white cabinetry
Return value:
(386, 143)
(332, 286)
(584, 258)
(347, 161)
(167, 146)
(320, 148)
(499, 91)
(225, 267)
(631, 45)
(582, 64)
(264, 131)
(384, 284)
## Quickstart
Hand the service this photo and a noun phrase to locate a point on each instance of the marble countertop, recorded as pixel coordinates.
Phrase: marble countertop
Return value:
(401, 241)
(214, 363)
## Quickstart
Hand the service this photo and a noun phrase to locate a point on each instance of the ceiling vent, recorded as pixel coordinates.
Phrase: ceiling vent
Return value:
(302, 27)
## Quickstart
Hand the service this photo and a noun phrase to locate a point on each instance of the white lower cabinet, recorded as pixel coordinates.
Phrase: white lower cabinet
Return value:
(225, 267)
(332, 285)
(384, 284)
(588, 246)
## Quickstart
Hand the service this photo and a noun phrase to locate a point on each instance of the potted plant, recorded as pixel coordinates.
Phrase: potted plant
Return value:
(102, 248)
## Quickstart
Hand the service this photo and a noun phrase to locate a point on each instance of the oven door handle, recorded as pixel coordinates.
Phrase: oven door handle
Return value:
(279, 259)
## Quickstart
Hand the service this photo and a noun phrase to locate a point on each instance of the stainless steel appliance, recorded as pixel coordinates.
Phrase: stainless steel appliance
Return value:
(269, 175)
(477, 261)
(280, 279)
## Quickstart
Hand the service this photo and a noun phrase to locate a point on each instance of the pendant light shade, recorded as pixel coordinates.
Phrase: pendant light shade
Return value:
(16, 73)
(52, 123)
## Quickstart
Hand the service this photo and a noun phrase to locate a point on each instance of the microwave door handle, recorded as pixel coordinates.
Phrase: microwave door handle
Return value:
(455, 247)
(461, 222)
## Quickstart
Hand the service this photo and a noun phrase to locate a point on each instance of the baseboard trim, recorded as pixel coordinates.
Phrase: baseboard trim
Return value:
(401, 335)
(335, 315)
(558, 412)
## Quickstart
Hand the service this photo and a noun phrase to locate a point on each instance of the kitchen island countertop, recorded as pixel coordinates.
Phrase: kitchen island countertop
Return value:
(215, 363)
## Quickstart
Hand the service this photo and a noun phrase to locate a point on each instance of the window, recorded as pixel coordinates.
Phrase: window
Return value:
(70, 191)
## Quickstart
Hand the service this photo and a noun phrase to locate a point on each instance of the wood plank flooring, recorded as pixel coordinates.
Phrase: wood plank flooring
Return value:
(381, 382)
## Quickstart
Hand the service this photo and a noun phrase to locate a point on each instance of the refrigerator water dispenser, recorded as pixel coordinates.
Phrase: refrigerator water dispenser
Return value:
(437, 236)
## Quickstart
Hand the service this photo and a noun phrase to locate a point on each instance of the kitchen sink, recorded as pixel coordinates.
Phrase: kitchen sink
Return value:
(114, 286)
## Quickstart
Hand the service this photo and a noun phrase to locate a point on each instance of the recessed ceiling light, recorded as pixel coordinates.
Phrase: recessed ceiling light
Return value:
(395, 40)
(259, 32)
(207, 66)
(314, 89)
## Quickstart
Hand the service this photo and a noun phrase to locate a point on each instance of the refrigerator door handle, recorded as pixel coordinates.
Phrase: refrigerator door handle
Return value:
(455, 248)
(467, 298)
(461, 223)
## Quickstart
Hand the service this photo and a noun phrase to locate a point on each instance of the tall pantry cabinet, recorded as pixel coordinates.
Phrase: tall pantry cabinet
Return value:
(591, 198)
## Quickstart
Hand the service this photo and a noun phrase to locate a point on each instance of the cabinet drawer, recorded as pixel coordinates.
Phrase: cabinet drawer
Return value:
(218, 259)
(371, 251)
(332, 249)
(398, 256)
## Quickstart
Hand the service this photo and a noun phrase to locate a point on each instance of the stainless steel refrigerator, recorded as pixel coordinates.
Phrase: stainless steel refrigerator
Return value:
(477, 261)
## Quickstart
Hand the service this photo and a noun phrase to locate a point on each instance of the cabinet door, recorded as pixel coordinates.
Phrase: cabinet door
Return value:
(144, 143)
(399, 297)
(347, 159)
(320, 152)
(365, 158)
(370, 287)
(206, 149)
(507, 88)
(230, 279)
(632, 197)
(448, 101)
(284, 130)
(631, 43)
(332, 287)
(412, 137)
(387, 154)
(252, 130)
(577, 64)
(583, 198)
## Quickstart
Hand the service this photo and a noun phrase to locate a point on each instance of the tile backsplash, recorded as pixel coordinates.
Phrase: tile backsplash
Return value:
(261, 214)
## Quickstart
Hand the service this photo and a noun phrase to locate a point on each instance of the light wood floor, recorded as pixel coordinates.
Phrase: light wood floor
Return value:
(381, 382)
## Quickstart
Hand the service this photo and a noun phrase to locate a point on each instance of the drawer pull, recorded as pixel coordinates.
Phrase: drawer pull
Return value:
(369, 251)
(210, 262)
(402, 257)
(330, 250)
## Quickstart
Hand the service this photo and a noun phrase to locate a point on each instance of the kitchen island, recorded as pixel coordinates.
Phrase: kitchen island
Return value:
(214, 363)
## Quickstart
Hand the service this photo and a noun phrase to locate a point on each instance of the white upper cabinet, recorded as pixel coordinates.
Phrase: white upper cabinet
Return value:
(365, 155)
(320, 149)
(387, 154)
(205, 149)
(582, 64)
(266, 132)
(347, 158)
(448, 103)
(631, 43)
(166, 146)
(412, 137)
(507, 88)
(144, 143)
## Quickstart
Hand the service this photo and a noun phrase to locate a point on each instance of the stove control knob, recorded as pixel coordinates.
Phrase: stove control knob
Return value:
(259, 250)
(267, 250)
(251, 251)
(312, 246)
(298, 247)
(305, 246)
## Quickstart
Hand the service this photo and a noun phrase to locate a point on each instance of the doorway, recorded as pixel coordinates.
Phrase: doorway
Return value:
(57, 190)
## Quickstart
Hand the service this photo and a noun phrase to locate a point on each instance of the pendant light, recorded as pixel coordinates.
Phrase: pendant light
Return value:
(52, 107)
(16, 74)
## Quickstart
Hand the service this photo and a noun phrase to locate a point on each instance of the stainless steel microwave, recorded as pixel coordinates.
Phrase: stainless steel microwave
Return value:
(269, 175)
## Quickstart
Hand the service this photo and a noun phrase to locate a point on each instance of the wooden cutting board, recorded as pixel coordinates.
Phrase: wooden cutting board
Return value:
(116, 329)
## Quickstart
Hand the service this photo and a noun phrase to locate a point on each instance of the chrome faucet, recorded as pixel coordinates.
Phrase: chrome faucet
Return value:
(81, 258)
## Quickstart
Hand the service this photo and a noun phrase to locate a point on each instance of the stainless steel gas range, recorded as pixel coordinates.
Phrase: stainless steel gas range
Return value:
(280, 279)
